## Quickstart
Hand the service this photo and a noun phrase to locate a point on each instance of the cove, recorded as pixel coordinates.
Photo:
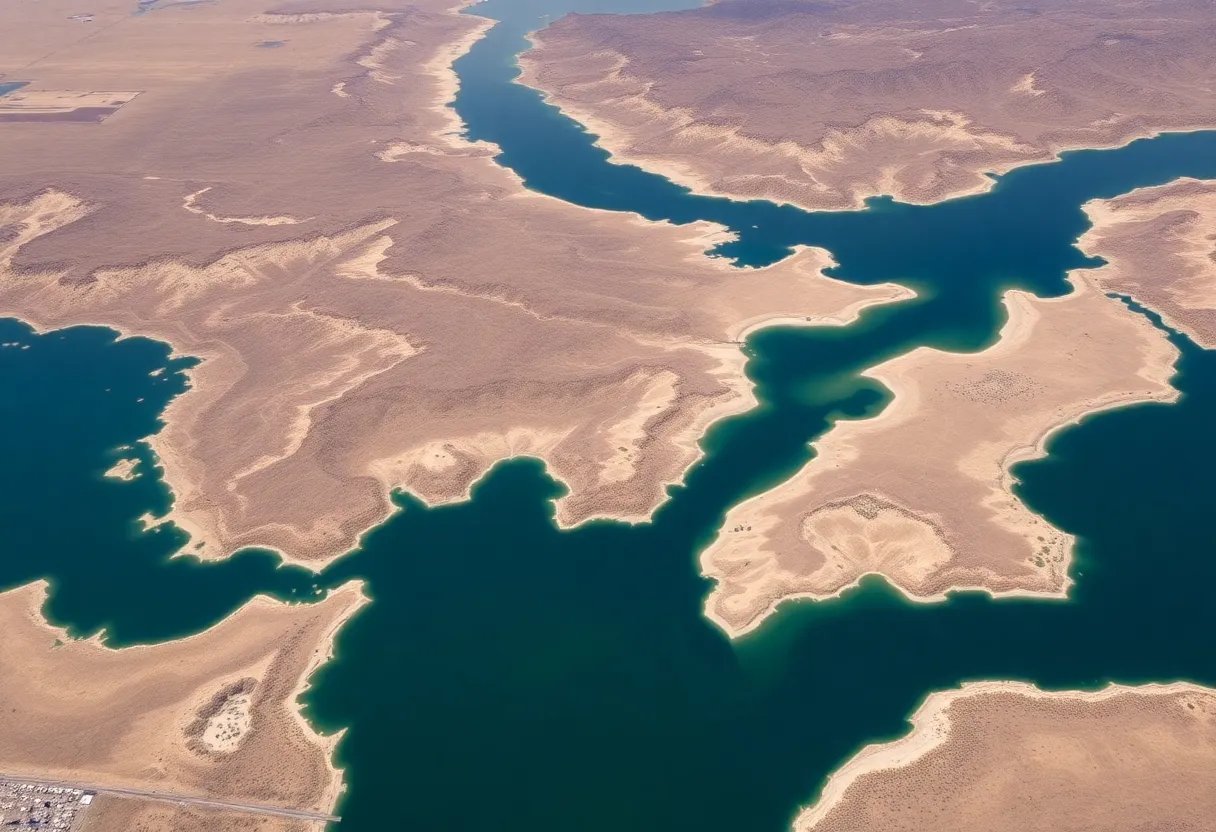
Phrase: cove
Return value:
(508, 675)
(68, 400)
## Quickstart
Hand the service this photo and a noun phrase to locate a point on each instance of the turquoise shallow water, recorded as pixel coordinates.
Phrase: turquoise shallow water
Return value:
(512, 676)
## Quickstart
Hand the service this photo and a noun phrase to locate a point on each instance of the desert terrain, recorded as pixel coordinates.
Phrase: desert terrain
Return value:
(376, 304)
(279, 191)
(922, 493)
(130, 718)
(113, 814)
(822, 104)
(1004, 756)
(1160, 245)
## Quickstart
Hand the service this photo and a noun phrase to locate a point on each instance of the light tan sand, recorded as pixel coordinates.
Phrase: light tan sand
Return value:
(824, 105)
(80, 711)
(123, 469)
(116, 814)
(1007, 756)
(190, 203)
(932, 508)
(1160, 244)
(35, 105)
(353, 313)
(220, 724)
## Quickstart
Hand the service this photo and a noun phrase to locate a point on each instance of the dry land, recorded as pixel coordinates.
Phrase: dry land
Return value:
(931, 508)
(141, 717)
(1005, 756)
(377, 304)
(1160, 244)
(822, 104)
(118, 814)
(61, 106)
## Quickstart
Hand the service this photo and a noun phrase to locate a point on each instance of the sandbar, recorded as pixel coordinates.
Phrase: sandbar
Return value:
(123, 469)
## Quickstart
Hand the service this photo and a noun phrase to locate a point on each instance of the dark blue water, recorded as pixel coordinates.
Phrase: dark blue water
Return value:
(512, 676)
(70, 400)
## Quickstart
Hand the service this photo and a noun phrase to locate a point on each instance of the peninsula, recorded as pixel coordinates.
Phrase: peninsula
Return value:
(1005, 756)
(1160, 245)
(137, 717)
(921, 493)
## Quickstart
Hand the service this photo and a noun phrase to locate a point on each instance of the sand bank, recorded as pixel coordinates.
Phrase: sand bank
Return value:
(123, 469)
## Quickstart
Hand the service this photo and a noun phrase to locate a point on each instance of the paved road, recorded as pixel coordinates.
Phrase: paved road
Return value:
(180, 799)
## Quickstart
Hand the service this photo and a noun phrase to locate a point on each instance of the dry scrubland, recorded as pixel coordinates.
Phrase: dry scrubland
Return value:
(377, 304)
(1003, 757)
(1161, 247)
(80, 711)
(114, 814)
(932, 509)
(822, 104)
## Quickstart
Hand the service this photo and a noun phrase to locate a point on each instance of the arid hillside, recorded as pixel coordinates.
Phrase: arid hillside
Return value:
(825, 102)
(1160, 244)
(376, 303)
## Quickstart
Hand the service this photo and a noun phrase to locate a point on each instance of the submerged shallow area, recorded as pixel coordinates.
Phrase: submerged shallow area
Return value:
(512, 675)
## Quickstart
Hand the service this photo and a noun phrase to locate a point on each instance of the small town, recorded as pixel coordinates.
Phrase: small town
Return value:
(36, 806)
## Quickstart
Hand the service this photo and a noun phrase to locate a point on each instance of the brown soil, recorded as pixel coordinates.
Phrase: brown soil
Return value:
(115, 814)
(80, 711)
(1161, 247)
(825, 103)
(377, 303)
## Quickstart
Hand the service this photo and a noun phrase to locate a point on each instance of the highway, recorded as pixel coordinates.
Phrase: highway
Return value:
(180, 799)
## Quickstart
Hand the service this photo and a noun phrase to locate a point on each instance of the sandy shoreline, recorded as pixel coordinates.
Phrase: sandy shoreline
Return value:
(1160, 246)
(323, 655)
(930, 728)
(607, 75)
(143, 701)
(976, 503)
(620, 145)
